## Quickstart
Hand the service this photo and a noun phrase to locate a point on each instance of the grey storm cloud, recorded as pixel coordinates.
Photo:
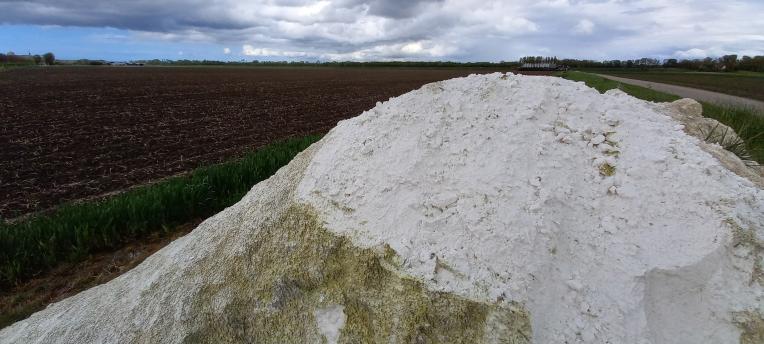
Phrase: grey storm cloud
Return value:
(133, 15)
(424, 29)
(397, 8)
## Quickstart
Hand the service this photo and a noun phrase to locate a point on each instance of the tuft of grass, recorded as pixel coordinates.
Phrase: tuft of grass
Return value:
(725, 138)
(746, 122)
(75, 230)
(19, 313)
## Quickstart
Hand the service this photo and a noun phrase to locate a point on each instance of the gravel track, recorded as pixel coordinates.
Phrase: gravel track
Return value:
(694, 93)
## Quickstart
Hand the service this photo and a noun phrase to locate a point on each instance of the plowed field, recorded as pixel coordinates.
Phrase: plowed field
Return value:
(69, 133)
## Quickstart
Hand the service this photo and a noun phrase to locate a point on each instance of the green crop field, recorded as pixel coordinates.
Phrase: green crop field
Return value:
(73, 231)
(748, 84)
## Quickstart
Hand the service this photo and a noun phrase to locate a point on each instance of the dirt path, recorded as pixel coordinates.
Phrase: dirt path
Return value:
(697, 94)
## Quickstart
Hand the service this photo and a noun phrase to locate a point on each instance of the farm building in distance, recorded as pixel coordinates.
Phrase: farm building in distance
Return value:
(542, 66)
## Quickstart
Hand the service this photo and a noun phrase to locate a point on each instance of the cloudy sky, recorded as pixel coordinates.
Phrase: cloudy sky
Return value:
(462, 30)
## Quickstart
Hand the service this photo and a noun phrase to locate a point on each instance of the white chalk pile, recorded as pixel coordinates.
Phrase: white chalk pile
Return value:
(594, 218)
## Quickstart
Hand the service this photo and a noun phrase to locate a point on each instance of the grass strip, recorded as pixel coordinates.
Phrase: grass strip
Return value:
(603, 84)
(747, 123)
(740, 85)
(75, 230)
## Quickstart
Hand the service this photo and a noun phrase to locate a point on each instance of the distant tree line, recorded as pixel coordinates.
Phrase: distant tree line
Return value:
(444, 64)
(575, 63)
(726, 63)
(10, 58)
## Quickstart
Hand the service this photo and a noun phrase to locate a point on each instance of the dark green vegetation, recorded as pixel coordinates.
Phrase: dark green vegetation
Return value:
(726, 63)
(49, 58)
(75, 230)
(747, 123)
(7, 66)
(12, 60)
(747, 85)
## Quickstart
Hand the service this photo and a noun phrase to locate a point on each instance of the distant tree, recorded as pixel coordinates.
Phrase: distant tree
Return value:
(11, 57)
(757, 64)
(3, 58)
(745, 62)
(708, 65)
(49, 58)
(691, 64)
(754, 64)
(37, 59)
(729, 62)
(670, 63)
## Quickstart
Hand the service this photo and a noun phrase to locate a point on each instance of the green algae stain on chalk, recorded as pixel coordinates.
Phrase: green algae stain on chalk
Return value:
(607, 170)
(752, 326)
(296, 266)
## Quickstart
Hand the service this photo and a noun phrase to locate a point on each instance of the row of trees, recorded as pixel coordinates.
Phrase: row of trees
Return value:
(12, 58)
(332, 63)
(539, 59)
(575, 63)
(726, 63)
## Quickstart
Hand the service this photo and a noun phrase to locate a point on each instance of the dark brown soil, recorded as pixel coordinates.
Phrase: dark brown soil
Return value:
(77, 132)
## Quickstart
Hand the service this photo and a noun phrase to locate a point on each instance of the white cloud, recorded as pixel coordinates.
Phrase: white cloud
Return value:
(422, 50)
(250, 50)
(696, 53)
(516, 25)
(412, 48)
(584, 27)
(227, 51)
(693, 53)
(421, 29)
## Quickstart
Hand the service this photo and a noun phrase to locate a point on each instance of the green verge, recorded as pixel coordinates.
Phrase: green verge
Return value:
(75, 230)
(602, 84)
(4, 68)
(741, 85)
(747, 123)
